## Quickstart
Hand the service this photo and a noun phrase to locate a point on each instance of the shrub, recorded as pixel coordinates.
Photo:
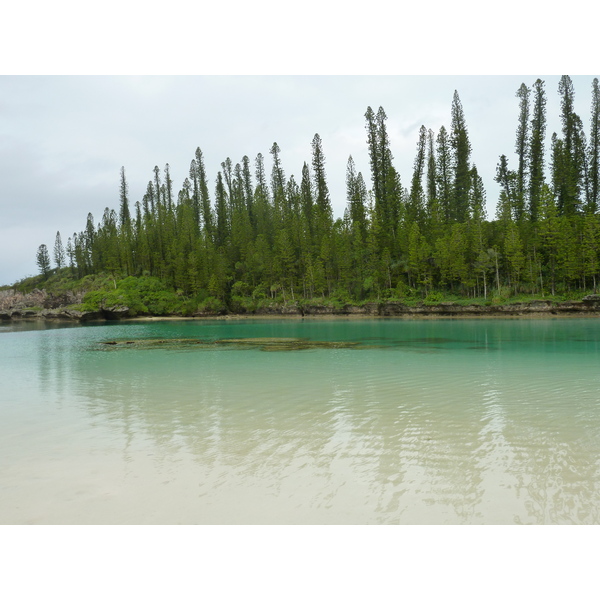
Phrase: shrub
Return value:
(433, 298)
(260, 292)
(142, 295)
(502, 295)
(212, 305)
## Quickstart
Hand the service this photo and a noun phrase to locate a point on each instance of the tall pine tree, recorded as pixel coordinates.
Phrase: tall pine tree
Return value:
(536, 149)
(461, 146)
(521, 148)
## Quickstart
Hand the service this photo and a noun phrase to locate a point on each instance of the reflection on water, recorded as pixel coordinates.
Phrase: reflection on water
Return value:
(389, 422)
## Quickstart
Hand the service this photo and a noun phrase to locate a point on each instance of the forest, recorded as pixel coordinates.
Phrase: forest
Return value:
(261, 237)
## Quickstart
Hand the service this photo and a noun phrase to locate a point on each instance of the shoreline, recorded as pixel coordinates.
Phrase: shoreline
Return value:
(589, 307)
(342, 317)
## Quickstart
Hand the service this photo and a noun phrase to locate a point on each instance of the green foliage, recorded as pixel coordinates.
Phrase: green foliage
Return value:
(43, 260)
(257, 244)
(502, 295)
(340, 298)
(212, 305)
(433, 298)
(142, 295)
(404, 292)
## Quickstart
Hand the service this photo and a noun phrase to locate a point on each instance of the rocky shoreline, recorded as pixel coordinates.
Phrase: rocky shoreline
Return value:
(41, 305)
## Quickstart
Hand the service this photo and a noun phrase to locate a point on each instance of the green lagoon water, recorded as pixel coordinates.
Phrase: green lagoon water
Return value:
(395, 422)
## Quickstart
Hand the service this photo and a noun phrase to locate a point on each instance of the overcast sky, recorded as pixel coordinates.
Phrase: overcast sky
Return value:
(63, 139)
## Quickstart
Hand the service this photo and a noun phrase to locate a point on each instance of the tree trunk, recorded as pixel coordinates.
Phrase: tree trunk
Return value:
(497, 274)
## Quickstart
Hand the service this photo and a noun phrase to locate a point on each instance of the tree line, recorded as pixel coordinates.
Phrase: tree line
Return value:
(263, 235)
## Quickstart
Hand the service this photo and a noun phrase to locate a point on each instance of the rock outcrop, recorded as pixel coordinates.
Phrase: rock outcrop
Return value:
(38, 304)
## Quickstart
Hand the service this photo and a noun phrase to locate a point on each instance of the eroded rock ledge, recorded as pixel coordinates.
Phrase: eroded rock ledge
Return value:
(589, 305)
(14, 307)
(39, 304)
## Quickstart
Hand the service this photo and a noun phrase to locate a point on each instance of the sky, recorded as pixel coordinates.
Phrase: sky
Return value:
(64, 138)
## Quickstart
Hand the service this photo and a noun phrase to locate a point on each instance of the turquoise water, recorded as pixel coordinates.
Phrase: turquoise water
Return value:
(426, 422)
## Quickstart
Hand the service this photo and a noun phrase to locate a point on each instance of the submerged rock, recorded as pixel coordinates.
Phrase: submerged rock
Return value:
(286, 344)
(267, 344)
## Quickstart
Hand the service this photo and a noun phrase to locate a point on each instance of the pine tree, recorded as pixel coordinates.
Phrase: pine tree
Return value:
(389, 186)
(521, 148)
(374, 154)
(43, 260)
(79, 254)
(107, 243)
(278, 182)
(322, 200)
(248, 191)
(593, 199)
(59, 252)
(168, 188)
(261, 178)
(461, 146)
(148, 203)
(306, 195)
(505, 209)
(157, 187)
(356, 194)
(227, 167)
(195, 193)
(416, 202)
(385, 160)
(70, 252)
(125, 225)
(222, 229)
(477, 200)
(568, 157)
(124, 214)
(236, 190)
(560, 174)
(262, 205)
(536, 149)
(444, 172)
(580, 157)
(433, 204)
(200, 196)
(88, 239)
(241, 227)
(384, 177)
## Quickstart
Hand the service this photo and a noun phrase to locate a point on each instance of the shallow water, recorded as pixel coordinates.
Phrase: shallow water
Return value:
(424, 422)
